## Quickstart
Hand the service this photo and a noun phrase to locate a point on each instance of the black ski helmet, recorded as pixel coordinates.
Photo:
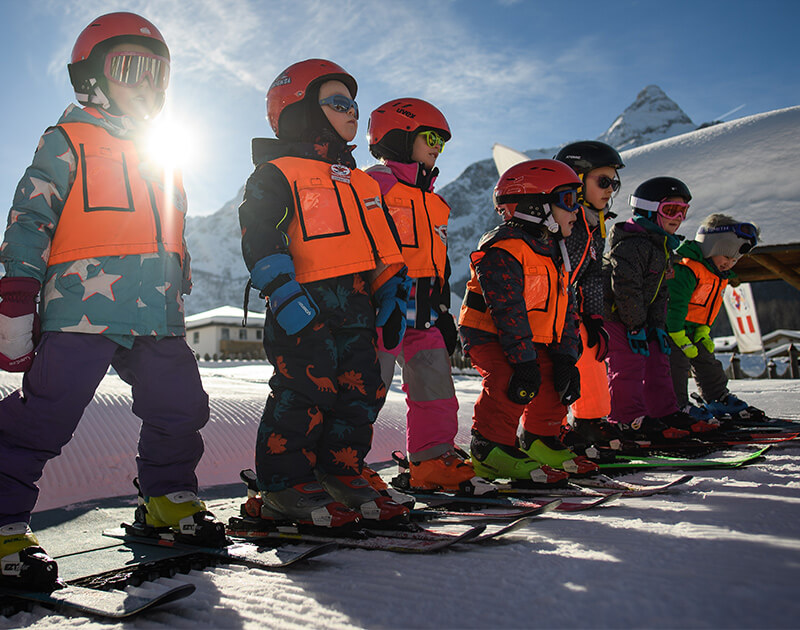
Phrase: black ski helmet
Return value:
(587, 155)
(655, 190)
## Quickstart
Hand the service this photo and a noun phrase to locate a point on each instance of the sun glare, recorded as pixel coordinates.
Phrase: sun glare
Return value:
(171, 143)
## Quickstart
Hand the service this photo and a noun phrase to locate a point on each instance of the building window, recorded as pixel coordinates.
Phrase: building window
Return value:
(258, 334)
(225, 333)
(243, 333)
(195, 337)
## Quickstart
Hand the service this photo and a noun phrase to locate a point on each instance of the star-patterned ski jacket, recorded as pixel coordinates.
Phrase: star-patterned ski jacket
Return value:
(120, 296)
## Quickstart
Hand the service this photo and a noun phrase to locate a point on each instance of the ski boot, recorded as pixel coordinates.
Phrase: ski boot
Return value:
(730, 407)
(686, 422)
(448, 472)
(357, 494)
(305, 503)
(550, 450)
(492, 460)
(595, 432)
(381, 487)
(699, 413)
(648, 429)
(180, 515)
(23, 563)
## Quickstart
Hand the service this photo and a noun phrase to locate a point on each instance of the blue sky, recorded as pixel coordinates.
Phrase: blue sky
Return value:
(526, 74)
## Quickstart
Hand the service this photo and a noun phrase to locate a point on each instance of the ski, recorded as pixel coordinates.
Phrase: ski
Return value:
(238, 552)
(735, 460)
(448, 504)
(599, 485)
(105, 604)
(421, 541)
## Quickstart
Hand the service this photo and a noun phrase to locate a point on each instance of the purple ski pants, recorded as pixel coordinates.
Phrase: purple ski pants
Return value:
(36, 422)
(639, 385)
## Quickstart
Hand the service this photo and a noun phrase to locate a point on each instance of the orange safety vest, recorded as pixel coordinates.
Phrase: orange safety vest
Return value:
(119, 204)
(706, 299)
(339, 226)
(546, 293)
(421, 221)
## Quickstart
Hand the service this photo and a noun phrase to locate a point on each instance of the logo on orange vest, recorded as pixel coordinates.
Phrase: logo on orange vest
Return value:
(340, 173)
(441, 231)
(372, 203)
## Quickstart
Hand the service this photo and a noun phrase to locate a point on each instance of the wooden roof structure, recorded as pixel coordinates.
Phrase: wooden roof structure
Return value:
(771, 262)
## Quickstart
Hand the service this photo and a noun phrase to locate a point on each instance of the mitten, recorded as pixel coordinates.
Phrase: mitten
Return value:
(447, 326)
(19, 323)
(566, 379)
(660, 335)
(703, 335)
(524, 383)
(292, 307)
(682, 341)
(596, 335)
(391, 303)
(637, 340)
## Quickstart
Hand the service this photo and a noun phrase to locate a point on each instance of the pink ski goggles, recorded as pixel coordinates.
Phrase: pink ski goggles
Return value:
(130, 69)
(667, 209)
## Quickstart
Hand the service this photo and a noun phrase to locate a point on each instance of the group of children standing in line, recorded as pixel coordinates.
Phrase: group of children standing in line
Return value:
(354, 268)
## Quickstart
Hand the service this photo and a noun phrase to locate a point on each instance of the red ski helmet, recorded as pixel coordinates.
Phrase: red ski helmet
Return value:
(394, 125)
(523, 189)
(94, 41)
(291, 86)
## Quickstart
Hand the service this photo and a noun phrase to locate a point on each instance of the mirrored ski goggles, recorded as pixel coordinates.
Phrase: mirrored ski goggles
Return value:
(130, 69)
(745, 231)
(565, 199)
(604, 182)
(433, 139)
(341, 104)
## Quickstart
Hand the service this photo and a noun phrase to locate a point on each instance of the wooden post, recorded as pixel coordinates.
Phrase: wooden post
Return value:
(794, 369)
(736, 365)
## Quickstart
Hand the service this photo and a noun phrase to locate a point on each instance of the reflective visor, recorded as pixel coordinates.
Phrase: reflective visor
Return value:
(131, 68)
(341, 103)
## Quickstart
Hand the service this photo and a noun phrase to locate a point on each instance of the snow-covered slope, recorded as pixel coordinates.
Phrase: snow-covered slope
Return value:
(722, 551)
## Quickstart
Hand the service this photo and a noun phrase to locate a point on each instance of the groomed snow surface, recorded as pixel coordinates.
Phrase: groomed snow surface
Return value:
(721, 552)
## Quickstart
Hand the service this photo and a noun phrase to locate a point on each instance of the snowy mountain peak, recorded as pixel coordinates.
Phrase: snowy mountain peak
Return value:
(652, 116)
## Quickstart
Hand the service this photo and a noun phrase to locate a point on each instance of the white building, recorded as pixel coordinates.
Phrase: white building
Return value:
(219, 332)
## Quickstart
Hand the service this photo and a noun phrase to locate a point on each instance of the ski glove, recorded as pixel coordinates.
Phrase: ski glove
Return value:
(703, 335)
(391, 299)
(684, 343)
(660, 335)
(596, 335)
(447, 326)
(566, 379)
(637, 340)
(19, 323)
(292, 307)
(524, 383)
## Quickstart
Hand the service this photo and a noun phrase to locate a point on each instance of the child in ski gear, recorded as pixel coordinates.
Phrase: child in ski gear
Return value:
(82, 226)
(319, 246)
(597, 164)
(518, 326)
(695, 297)
(407, 135)
(636, 268)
